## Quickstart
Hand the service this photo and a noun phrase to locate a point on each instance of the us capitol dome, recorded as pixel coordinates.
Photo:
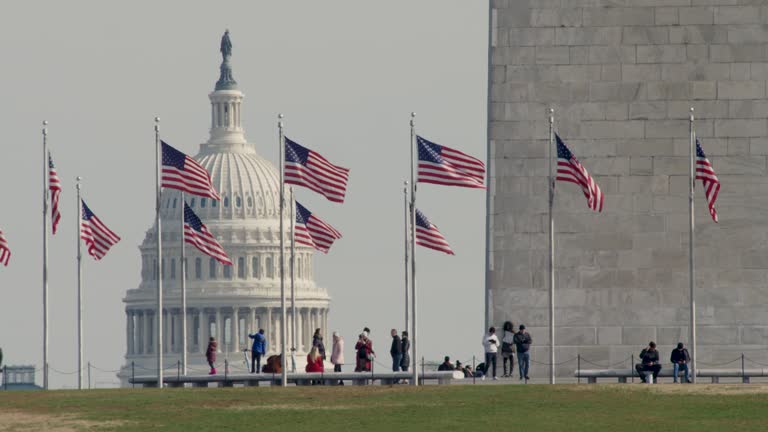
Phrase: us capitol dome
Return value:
(226, 302)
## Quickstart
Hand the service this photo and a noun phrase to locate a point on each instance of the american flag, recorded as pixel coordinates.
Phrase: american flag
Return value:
(706, 174)
(304, 167)
(312, 231)
(195, 233)
(54, 186)
(96, 235)
(5, 250)
(428, 236)
(185, 174)
(446, 166)
(569, 169)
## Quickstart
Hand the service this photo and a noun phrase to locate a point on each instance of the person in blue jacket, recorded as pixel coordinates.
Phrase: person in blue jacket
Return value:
(258, 349)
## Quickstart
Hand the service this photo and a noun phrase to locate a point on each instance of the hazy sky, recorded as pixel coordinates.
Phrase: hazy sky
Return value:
(346, 74)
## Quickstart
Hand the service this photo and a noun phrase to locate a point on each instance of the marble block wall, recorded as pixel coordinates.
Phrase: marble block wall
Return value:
(621, 76)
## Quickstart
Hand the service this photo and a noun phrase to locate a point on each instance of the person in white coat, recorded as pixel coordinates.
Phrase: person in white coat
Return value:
(337, 353)
(491, 346)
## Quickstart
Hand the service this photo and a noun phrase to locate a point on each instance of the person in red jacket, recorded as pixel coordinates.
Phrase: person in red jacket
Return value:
(314, 361)
(365, 353)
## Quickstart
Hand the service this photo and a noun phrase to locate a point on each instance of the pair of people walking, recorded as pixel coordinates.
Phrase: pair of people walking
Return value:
(521, 340)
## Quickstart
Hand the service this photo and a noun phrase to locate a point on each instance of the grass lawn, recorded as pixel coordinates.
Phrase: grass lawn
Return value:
(622, 407)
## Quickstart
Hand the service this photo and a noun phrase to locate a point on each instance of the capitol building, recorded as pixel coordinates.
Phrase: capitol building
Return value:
(226, 302)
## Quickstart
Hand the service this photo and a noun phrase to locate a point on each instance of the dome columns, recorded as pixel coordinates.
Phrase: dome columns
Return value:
(226, 129)
(230, 325)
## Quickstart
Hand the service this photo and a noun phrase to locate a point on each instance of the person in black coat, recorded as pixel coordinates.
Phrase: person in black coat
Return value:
(446, 365)
(649, 361)
(680, 359)
(405, 362)
(396, 351)
(317, 341)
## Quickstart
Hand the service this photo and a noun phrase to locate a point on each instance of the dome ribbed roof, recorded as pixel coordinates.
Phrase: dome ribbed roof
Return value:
(249, 186)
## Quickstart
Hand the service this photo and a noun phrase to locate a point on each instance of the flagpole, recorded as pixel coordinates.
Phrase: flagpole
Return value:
(183, 292)
(551, 250)
(283, 323)
(692, 275)
(79, 219)
(46, 174)
(293, 288)
(488, 197)
(405, 217)
(414, 358)
(158, 233)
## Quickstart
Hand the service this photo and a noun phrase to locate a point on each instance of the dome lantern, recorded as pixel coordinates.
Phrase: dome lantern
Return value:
(226, 131)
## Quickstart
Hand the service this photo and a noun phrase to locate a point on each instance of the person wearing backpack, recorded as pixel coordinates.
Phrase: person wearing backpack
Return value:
(507, 349)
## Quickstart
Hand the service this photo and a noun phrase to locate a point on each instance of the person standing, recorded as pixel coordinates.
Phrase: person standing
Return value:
(649, 362)
(523, 343)
(210, 355)
(337, 352)
(258, 349)
(680, 359)
(405, 362)
(396, 351)
(507, 348)
(491, 345)
(317, 341)
(364, 350)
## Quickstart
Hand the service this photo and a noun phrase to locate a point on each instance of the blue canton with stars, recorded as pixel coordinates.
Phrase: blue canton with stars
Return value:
(422, 220)
(87, 213)
(699, 150)
(429, 151)
(191, 219)
(173, 157)
(562, 150)
(295, 153)
(302, 214)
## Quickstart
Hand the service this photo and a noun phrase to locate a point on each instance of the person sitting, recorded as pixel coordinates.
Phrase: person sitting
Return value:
(480, 370)
(468, 372)
(314, 361)
(680, 359)
(649, 362)
(274, 364)
(446, 365)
